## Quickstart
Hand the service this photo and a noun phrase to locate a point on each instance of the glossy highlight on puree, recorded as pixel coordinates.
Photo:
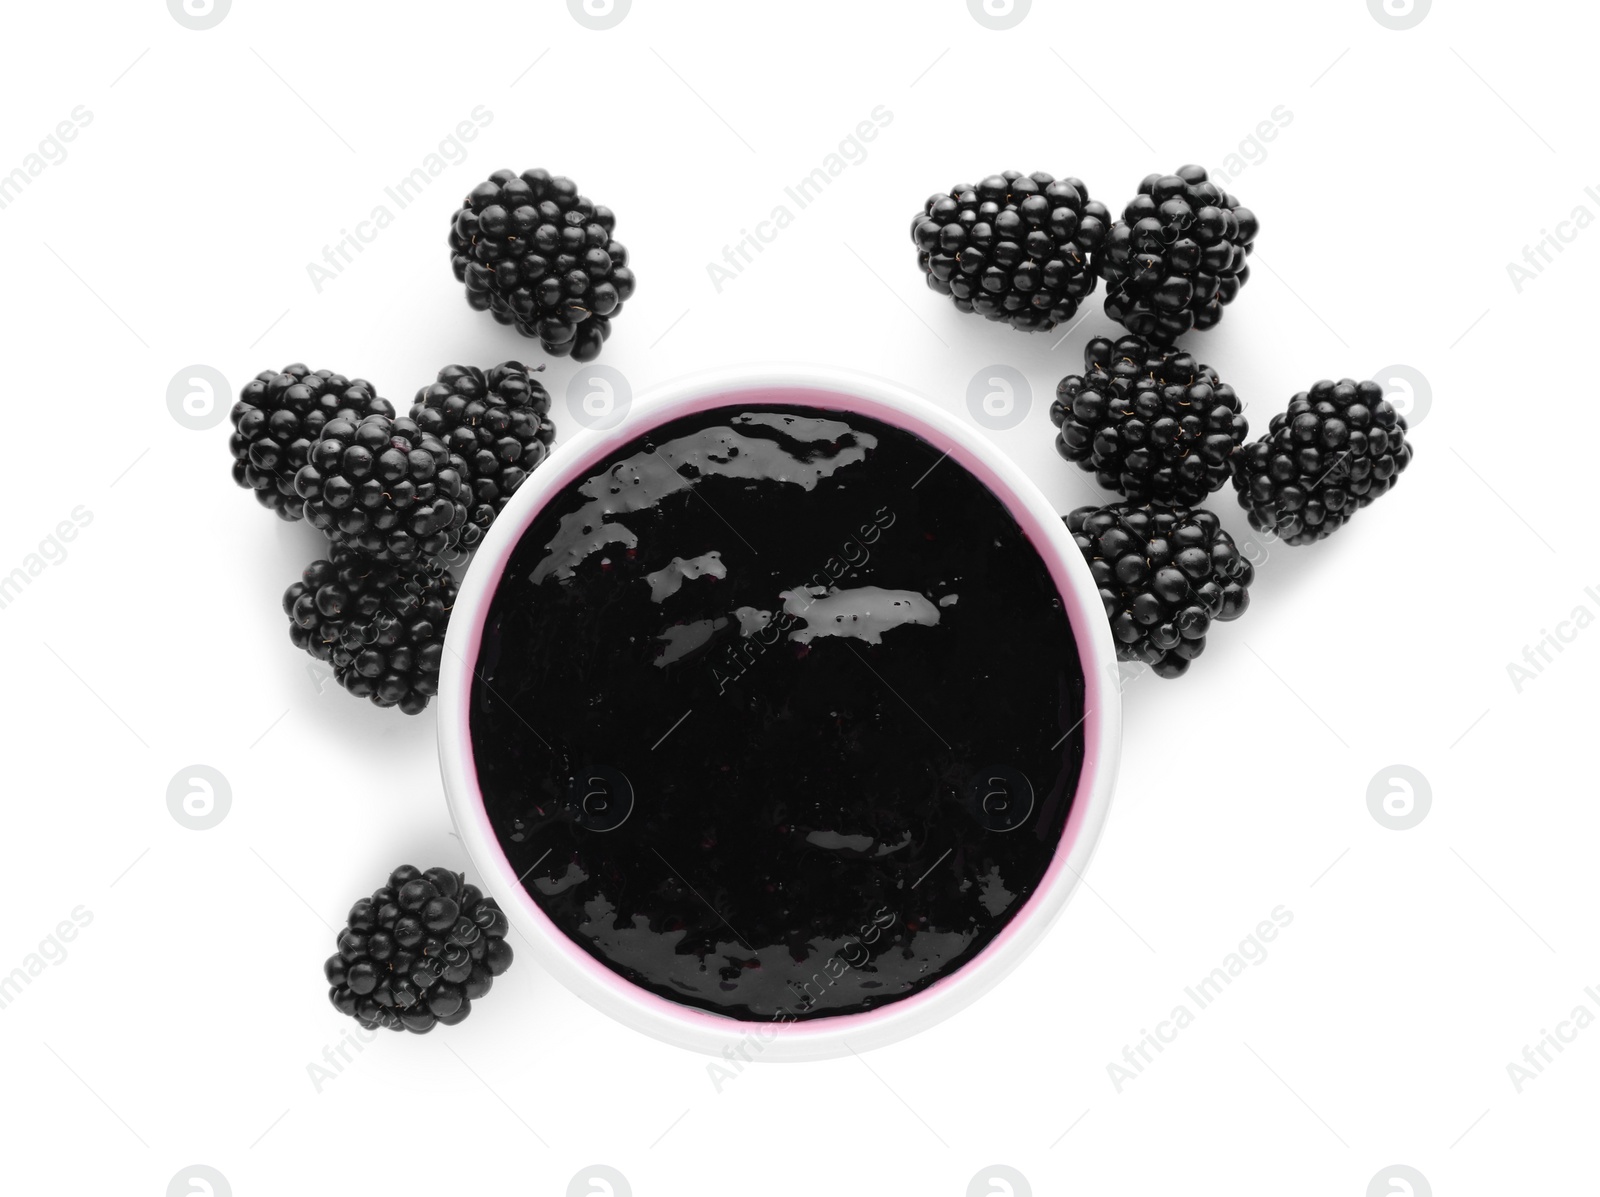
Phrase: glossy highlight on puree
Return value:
(777, 712)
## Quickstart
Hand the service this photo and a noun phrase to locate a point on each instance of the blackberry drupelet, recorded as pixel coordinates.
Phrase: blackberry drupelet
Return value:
(1148, 422)
(380, 627)
(535, 254)
(278, 415)
(497, 422)
(418, 952)
(1165, 573)
(1338, 447)
(386, 488)
(1177, 255)
(1019, 248)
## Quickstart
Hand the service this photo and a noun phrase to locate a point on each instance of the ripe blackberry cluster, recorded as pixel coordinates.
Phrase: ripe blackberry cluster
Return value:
(418, 952)
(497, 423)
(1178, 254)
(278, 415)
(1338, 447)
(395, 497)
(1018, 248)
(1149, 422)
(1165, 574)
(536, 255)
(386, 488)
(380, 627)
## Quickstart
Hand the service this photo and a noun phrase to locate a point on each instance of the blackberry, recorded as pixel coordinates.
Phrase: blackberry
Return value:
(278, 415)
(1178, 254)
(381, 628)
(497, 423)
(387, 488)
(1165, 573)
(1147, 421)
(1338, 447)
(418, 952)
(535, 254)
(1019, 248)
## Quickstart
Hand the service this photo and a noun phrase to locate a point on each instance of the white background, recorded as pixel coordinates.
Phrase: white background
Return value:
(177, 231)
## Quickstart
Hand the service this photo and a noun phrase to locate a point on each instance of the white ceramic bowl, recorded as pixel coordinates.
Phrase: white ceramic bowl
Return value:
(816, 1038)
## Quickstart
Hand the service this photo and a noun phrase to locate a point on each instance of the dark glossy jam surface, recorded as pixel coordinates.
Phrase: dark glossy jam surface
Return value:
(778, 714)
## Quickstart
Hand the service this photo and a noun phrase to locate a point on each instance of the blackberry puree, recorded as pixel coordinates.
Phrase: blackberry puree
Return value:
(777, 713)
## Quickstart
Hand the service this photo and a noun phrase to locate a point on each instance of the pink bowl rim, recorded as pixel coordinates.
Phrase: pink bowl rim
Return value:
(820, 1038)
